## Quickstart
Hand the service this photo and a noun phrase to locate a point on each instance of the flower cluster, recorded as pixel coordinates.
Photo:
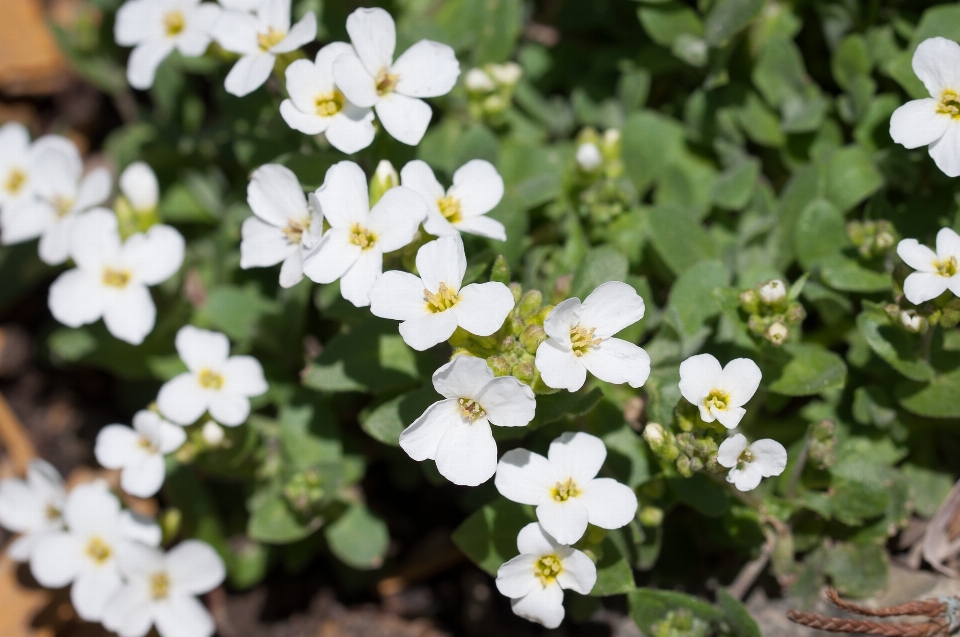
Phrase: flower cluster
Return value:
(772, 310)
(491, 88)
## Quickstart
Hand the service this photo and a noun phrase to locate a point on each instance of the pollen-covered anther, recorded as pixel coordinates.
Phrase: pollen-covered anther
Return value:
(471, 409)
(209, 379)
(159, 585)
(98, 550)
(717, 399)
(386, 82)
(268, 40)
(362, 237)
(450, 208)
(443, 299)
(947, 267)
(547, 569)
(173, 23)
(295, 229)
(329, 104)
(565, 490)
(115, 278)
(949, 104)
(581, 339)
(15, 181)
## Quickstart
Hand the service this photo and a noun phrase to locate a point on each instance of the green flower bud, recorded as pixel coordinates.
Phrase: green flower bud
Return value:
(500, 272)
(304, 490)
(795, 313)
(750, 301)
(777, 333)
(661, 442)
(531, 338)
(524, 371)
(530, 303)
(384, 178)
(499, 365)
(517, 290)
(683, 466)
(170, 521)
(651, 516)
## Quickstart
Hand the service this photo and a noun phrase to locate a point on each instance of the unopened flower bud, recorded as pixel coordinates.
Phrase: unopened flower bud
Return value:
(531, 337)
(517, 291)
(500, 272)
(500, 365)
(655, 435)
(506, 74)
(530, 303)
(589, 157)
(749, 300)
(611, 137)
(913, 322)
(384, 178)
(683, 466)
(777, 333)
(773, 291)
(523, 371)
(212, 433)
(795, 313)
(651, 516)
(494, 105)
(477, 81)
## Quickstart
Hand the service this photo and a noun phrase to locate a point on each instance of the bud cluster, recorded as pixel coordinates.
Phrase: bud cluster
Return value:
(945, 313)
(873, 238)
(693, 449)
(823, 444)
(773, 313)
(599, 155)
(304, 491)
(680, 623)
(491, 89)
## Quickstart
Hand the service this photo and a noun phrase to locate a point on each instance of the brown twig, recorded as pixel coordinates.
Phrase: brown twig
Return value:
(926, 607)
(868, 627)
(14, 437)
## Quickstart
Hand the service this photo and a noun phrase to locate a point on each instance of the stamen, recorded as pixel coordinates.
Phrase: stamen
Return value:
(270, 38)
(98, 550)
(362, 237)
(547, 568)
(565, 490)
(295, 229)
(15, 181)
(328, 104)
(173, 23)
(450, 208)
(444, 299)
(471, 409)
(717, 400)
(947, 267)
(745, 458)
(159, 585)
(116, 278)
(581, 339)
(949, 104)
(386, 82)
(209, 379)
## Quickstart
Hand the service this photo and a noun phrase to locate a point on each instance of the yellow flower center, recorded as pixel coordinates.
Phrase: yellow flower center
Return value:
(547, 568)
(53, 513)
(444, 299)
(949, 104)
(98, 550)
(362, 236)
(173, 23)
(159, 585)
(146, 444)
(116, 278)
(450, 208)
(328, 104)
(471, 409)
(947, 267)
(581, 339)
(717, 399)
(15, 181)
(745, 458)
(295, 229)
(62, 205)
(210, 379)
(563, 491)
(386, 82)
(270, 38)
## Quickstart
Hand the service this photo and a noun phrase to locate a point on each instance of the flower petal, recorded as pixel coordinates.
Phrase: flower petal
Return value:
(917, 123)
(418, 176)
(291, 272)
(136, 21)
(351, 129)
(76, 298)
(138, 183)
(746, 479)
(275, 195)
(249, 73)
(332, 258)
(244, 375)
(426, 69)
(565, 521)
(483, 226)
(429, 329)
(181, 399)
(399, 296)
(130, 315)
(396, 218)
(728, 455)
(698, 376)
(616, 361)
(543, 605)
(921, 287)
(534, 540)
(144, 60)
(478, 186)
(236, 31)
(610, 308)
(579, 573)
(917, 256)
(229, 409)
(421, 439)
(25, 222)
(577, 455)
(93, 237)
(946, 151)
(740, 378)
(769, 456)
(343, 197)
(948, 244)
(515, 578)
(303, 32)
(356, 283)
(57, 240)
(610, 505)
(92, 590)
(405, 118)
(467, 453)
(195, 568)
(730, 417)
(353, 79)
(559, 367)
(483, 307)
(374, 37)
(937, 63)
(525, 477)
(56, 560)
(185, 617)
(129, 612)
(443, 261)
(463, 377)
(263, 245)
(144, 477)
(115, 446)
(200, 349)
(563, 318)
(508, 402)
(92, 508)
(306, 123)
(155, 256)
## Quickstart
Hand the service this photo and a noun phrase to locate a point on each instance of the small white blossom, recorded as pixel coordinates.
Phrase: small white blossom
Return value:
(589, 157)
(370, 77)
(317, 106)
(936, 272)
(259, 38)
(506, 74)
(32, 507)
(911, 321)
(111, 278)
(139, 451)
(156, 27)
(216, 382)
(85, 553)
(477, 189)
(20, 165)
(748, 463)
(212, 433)
(934, 121)
(240, 5)
(433, 304)
(138, 184)
(352, 250)
(477, 81)
(565, 488)
(62, 193)
(719, 393)
(535, 580)
(161, 590)
(773, 291)
(581, 340)
(456, 431)
(286, 227)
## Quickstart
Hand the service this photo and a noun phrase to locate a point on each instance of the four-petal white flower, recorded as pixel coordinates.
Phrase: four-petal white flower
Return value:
(139, 451)
(161, 590)
(719, 393)
(581, 340)
(934, 121)
(564, 487)
(477, 189)
(370, 77)
(111, 278)
(259, 39)
(433, 304)
(317, 106)
(748, 463)
(20, 168)
(286, 226)
(216, 382)
(138, 185)
(936, 272)
(85, 553)
(456, 431)
(32, 507)
(156, 27)
(535, 580)
(352, 250)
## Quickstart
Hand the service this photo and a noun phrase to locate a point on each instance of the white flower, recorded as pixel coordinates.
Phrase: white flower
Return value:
(32, 507)
(317, 106)
(212, 433)
(370, 77)
(285, 227)
(456, 431)
(748, 463)
(773, 291)
(535, 580)
(19, 166)
(477, 188)
(156, 27)
(352, 250)
(85, 554)
(581, 340)
(506, 74)
(240, 5)
(477, 81)
(564, 487)
(111, 278)
(433, 304)
(138, 184)
(720, 394)
(936, 272)
(258, 39)
(934, 121)
(589, 157)
(161, 590)
(139, 451)
(217, 382)
(62, 193)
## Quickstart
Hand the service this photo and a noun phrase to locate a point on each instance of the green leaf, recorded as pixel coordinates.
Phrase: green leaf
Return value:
(665, 23)
(387, 421)
(701, 494)
(736, 615)
(734, 187)
(692, 301)
(760, 123)
(489, 536)
(649, 606)
(679, 238)
(651, 141)
(729, 17)
(851, 177)
(858, 570)
(848, 275)
(935, 399)
(894, 345)
(553, 407)
(309, 436)
(358, 538)
(236, 310)
(599, 266)
(272, 521)
(851, 59)
(819, 232)
(614, 575)
(804, 369)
